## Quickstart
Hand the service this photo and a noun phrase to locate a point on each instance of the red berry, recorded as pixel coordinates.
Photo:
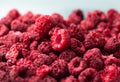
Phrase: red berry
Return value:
(3, 30)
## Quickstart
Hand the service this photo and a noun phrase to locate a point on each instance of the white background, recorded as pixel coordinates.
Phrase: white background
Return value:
(63, 7)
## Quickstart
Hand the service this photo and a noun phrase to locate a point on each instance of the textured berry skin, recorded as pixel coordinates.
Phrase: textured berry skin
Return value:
(3, 30)
(76, 16)
(43, 70)
(59, 68)
(49, 79)
(45, 47)
(76, 66)
(33, 45)
(93, 57)
(67, 55)
(110, 74)
(89, 75)
(60, 40)
(43, 25)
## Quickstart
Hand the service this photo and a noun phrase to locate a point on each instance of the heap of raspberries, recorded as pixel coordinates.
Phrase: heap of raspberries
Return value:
(49, 48)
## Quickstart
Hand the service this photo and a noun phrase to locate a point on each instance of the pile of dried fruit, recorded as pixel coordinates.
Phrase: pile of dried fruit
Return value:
(49, 48)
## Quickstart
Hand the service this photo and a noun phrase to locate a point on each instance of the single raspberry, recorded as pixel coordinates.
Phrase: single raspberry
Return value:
(59, 68)
(76, 16)
(77, 32)
(60, 40)
(67, 55)
(33, 45)
(3, 30)
(13, 14)
(43, 25)
(93, 57)
(94, 39)
(77, 47)
(69, 79)
(112, 45)
(49, 79)
(42, 59)
(110, 74)
(45, 47)
(76, 66)
(89, 75)
(17, 25)
(43, 70)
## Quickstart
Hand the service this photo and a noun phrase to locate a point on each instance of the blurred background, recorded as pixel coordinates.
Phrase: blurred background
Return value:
(59, 6)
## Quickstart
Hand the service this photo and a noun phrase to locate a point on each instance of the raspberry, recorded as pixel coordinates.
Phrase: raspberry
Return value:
(49, 79)
(3, 30)
(76, 66)
(77, 47)
(93, 57)
(67, 55)
(42, 59)
(4, 77)
(43, 70)
(76, 16)
(44, 24)
(59, 68)
(112, 45)
(51, 32)
(13, 14)
(110, 74)
(89, 75)
(69, 79)
(35, 79)
(33, 45)
(77, 32)
(94, 39)
(53, 56)
(17, 25)
(60, 40)
(45, 47)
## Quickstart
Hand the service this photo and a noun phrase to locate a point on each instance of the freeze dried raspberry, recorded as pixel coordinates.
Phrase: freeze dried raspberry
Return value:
(59, 69)
(3, 30)
(45, 47)
(69, 79)
(53, 56)
(94, 39)
(76, 32)
(42, 59)
(117, 53)
(89, 75)
(43, 70)
(43, 25)
(51, 32)
(112, 44)
(17, 25)
(35, 79)
(76, 16)
(110, 74)
(93, 57)
(49, 79)
(4, 77)
(13, 14)
(60, 40)
(112, 14)
(77, 46)
(76, 66)
(67, 55)
(33, 45)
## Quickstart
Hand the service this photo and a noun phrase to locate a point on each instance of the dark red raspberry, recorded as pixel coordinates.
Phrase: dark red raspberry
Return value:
(77, 46)
(43, 25)
(110, 74)
(3, 30)
(93, 57)
(59, 69)
(94, 39)
(43, 70)
(4, 76)
(117, 53)
(17, 25)
(69, 79)
(89, 75)
(76, 66)
(49, 79)
(45, 47)
(33, 45)
(112, 44)
(76, 16)
(53, 56)
(67, 55)
(13, 14)
(42, 59)
(60, 40)
(77, 32)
